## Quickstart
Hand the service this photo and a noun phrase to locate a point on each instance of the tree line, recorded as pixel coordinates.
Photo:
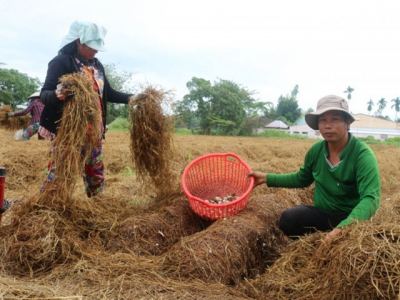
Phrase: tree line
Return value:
(16, 87)
(227, 108)
(221, 107)
(380, 103)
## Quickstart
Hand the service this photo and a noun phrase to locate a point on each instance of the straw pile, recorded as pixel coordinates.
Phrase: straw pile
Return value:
(231, 249)
(362, 263)
(105, 247)
(45, 233)
(12, 123)
(151, 138)
(155, 232)
(78, 133)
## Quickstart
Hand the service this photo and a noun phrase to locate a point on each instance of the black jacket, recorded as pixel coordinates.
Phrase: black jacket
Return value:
(62, 65)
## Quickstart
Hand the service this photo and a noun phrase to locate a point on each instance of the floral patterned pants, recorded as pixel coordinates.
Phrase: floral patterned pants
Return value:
(94, 172)
(30, 131)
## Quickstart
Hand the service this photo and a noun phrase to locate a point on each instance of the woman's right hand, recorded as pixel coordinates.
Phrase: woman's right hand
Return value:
(63, 91)
(259, 178)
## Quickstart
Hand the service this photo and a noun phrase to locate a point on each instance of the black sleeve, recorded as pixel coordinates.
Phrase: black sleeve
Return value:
(57, 67)
(113, 96)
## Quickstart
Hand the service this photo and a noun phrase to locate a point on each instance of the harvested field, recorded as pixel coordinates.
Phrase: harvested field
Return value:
(142, 242)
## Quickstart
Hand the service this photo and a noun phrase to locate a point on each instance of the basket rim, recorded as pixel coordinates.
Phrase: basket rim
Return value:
(227, 154)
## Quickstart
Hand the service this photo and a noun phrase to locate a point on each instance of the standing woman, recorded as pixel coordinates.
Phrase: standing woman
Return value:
(77, 55)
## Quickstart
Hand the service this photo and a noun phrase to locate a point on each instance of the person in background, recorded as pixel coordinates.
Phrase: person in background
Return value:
(35, 108)
(345, 172)
(77, 54)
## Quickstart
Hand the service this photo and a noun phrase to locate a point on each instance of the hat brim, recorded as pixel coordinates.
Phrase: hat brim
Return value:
(312, 118)
(96, 45)
(34, 95)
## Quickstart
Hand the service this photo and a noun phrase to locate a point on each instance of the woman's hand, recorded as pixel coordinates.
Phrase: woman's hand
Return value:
(63, 92)
(324, 246)
(259, 178)
(332, 234)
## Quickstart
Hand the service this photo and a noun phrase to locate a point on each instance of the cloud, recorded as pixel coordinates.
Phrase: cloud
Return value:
(267, 46)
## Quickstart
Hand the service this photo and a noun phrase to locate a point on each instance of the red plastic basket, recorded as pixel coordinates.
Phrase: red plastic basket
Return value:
(217, 175)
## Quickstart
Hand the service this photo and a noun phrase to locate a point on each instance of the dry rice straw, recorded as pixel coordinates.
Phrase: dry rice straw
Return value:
(151, 137)
(79, 132)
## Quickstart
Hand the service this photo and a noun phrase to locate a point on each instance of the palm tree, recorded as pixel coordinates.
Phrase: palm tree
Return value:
(396, 106)
(382, 105)
(348, 92)
(370, 104)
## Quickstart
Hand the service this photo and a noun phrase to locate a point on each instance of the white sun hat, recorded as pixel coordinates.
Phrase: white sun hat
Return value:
(34, 95)
(88, 33)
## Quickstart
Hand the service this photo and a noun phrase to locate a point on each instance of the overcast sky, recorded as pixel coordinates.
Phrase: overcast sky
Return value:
(263, 45)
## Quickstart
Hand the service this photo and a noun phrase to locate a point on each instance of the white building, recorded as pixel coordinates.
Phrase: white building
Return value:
(364, 126)
(277, 124)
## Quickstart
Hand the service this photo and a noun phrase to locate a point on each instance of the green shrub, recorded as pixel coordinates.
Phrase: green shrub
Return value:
(183, 131)
(393, 141)
(119, 124)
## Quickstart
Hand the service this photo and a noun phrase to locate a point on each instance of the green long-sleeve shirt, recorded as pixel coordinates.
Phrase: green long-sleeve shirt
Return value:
(352, 186)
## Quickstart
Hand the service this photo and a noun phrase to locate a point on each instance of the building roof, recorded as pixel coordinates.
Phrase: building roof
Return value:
(366, 121)
(277, 124)
(300, 121)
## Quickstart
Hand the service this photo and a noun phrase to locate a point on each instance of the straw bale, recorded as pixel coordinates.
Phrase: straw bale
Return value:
(362, 263)
(231, 249)
(13, 123)
(4, 110)
(151, 138)
(155, 232)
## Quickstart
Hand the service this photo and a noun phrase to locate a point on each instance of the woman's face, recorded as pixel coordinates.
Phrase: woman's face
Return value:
(85, 51)
(333, 126)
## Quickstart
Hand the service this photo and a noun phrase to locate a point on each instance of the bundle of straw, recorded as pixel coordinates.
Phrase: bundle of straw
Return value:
(151, 136)
(79, 131)
(13, 123)
(4, 110)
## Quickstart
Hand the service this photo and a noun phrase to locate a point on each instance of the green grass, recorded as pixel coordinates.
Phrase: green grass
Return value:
(122, 124)
(119, 124)
(370, 140)
(183, 131)
(274, 133)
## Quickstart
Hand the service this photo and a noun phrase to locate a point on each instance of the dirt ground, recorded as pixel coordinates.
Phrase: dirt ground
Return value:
(137, 243)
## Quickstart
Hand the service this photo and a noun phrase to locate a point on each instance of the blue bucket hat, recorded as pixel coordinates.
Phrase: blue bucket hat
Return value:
(88, 33)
